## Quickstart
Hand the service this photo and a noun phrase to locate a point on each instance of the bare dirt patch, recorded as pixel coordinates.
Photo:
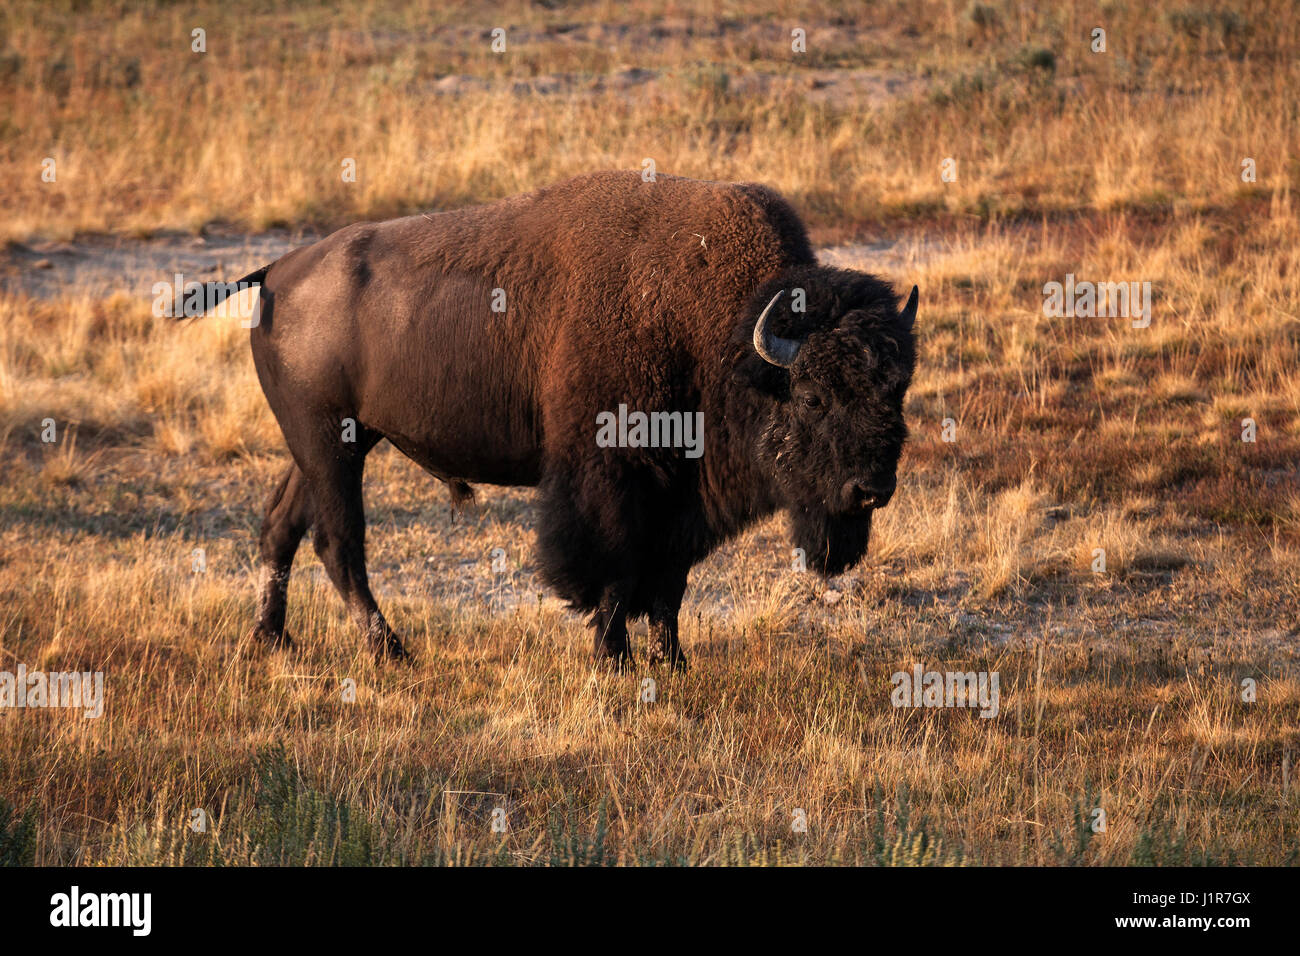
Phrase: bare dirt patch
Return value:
(101, 265)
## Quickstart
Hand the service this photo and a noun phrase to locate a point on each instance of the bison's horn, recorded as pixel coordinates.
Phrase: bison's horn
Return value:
(778, 351)
(908, 315)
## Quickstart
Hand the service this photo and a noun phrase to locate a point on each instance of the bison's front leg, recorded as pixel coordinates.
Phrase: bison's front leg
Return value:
(663, 620)
(609, 623)
(663, 641)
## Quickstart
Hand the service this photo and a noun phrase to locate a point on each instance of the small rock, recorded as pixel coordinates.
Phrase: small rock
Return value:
(42, 264)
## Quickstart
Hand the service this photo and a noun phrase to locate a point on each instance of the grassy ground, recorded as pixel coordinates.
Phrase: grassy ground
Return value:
(1120, 690)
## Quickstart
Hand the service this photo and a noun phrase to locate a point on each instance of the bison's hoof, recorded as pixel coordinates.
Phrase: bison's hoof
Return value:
(263, 636)
(676, 661)
(391, 649)
(393, 652)
(619, 662)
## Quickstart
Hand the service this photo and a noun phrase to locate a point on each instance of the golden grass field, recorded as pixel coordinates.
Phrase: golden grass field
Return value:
(1120, 690)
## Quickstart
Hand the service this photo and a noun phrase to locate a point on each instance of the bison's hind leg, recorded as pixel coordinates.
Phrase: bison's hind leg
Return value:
(288, 516)
(333, 470)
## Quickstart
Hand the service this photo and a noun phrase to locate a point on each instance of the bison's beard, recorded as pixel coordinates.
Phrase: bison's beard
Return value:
(831, 544)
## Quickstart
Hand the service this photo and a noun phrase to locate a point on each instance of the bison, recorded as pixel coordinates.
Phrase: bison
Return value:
(495, 345)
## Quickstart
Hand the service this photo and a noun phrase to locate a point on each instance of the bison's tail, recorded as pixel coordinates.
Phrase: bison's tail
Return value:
(254, 278)
(214, 293)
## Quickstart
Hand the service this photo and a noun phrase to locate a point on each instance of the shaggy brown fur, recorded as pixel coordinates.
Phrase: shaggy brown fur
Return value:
(609, 291)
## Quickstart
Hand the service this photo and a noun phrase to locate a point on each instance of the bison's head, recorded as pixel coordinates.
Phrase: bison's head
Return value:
(834, 353)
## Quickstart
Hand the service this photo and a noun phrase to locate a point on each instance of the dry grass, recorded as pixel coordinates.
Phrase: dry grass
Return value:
(1119, 689)
(255, 130)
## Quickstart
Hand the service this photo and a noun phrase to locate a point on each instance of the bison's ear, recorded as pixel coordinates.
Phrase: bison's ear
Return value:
(753, 372)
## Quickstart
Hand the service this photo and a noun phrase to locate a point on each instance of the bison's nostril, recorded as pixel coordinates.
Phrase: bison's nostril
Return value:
(858, 495)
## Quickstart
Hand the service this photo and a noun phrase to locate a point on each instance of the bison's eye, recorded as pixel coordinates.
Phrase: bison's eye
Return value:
(809, 400)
